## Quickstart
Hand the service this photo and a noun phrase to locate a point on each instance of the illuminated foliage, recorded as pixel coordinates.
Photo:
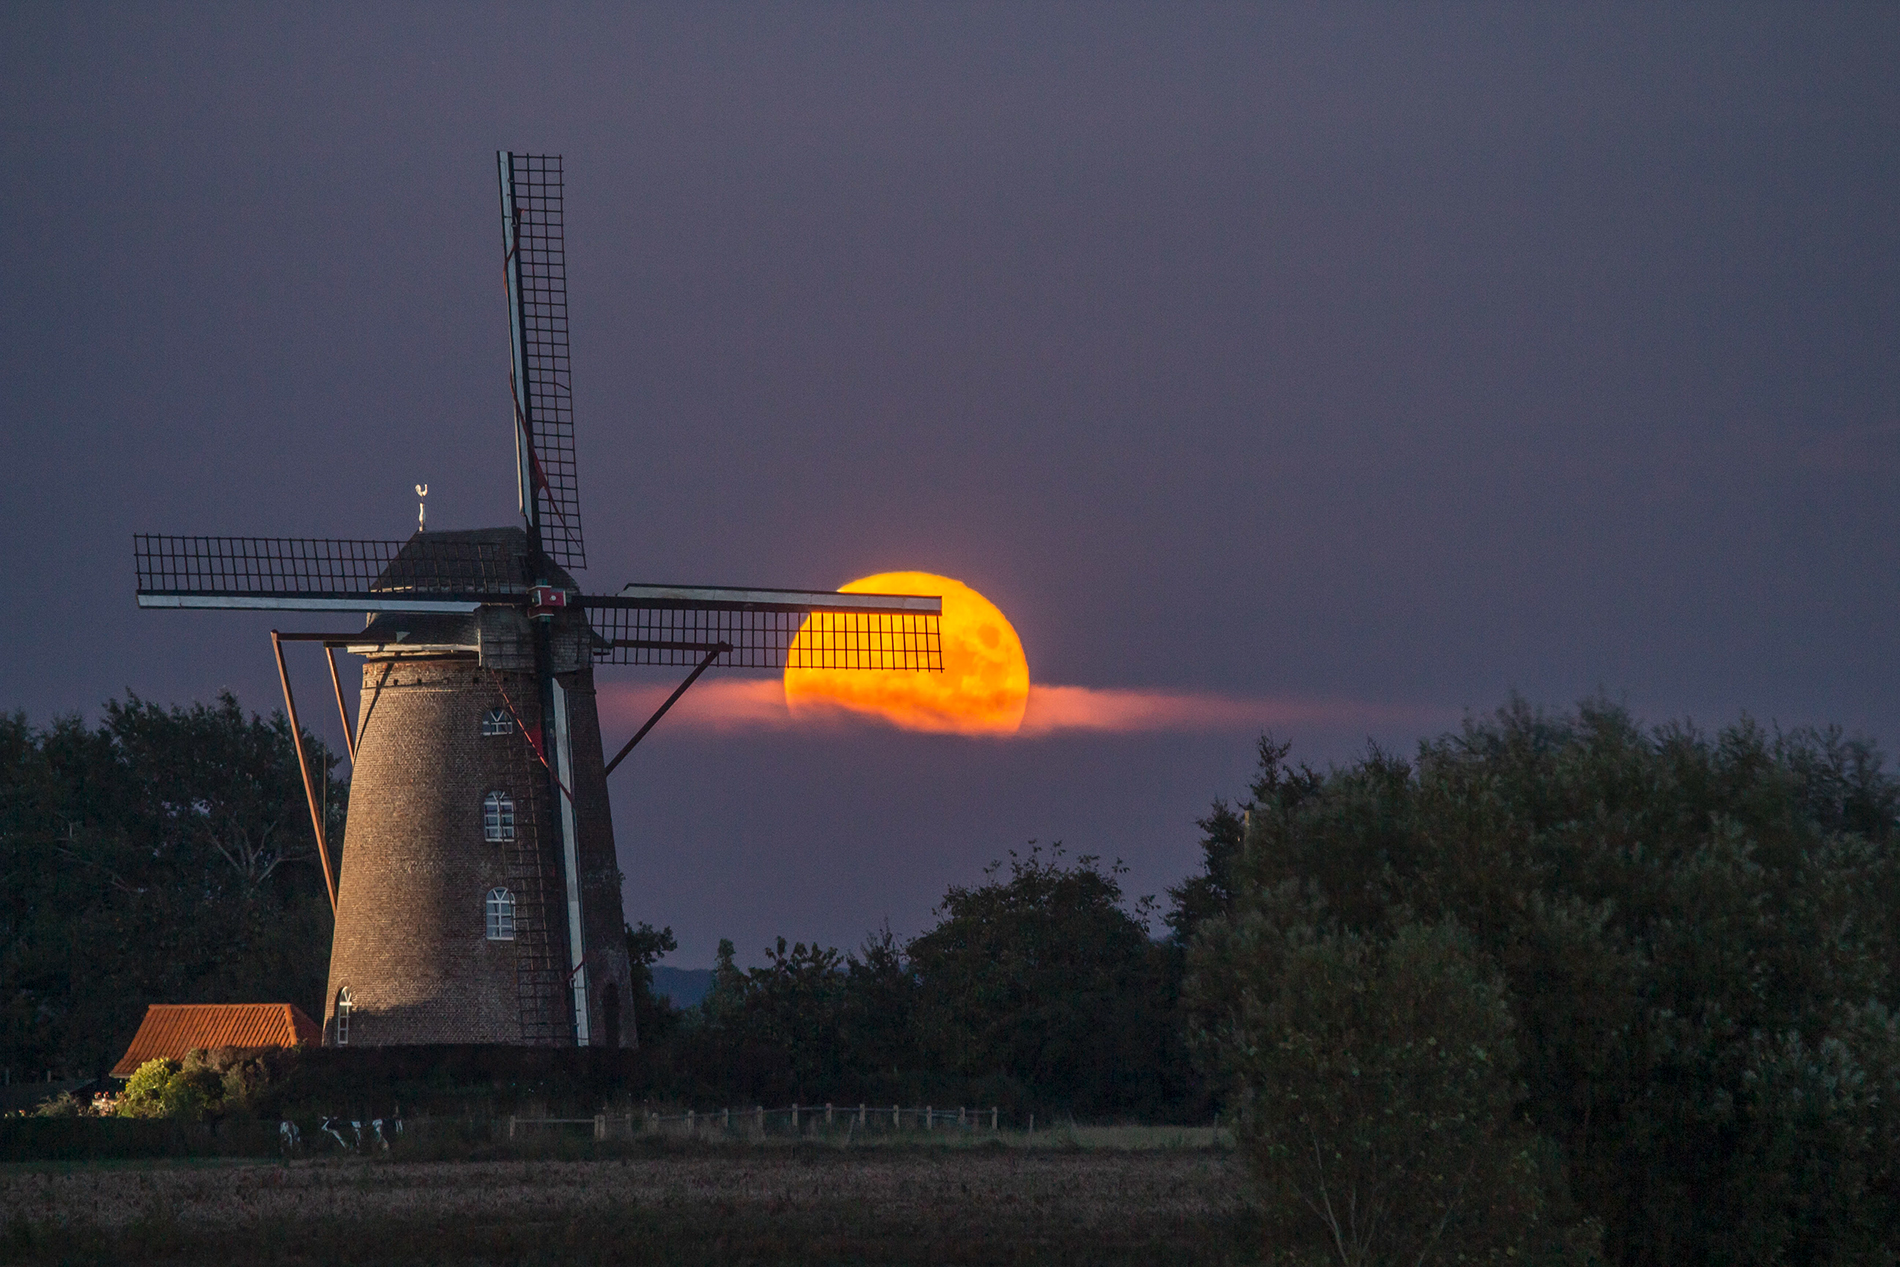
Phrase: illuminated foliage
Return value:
(205, 1084)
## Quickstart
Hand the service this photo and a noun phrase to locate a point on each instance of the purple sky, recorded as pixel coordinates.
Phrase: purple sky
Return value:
(1382, 360)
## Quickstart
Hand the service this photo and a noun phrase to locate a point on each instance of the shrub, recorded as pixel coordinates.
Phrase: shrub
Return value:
(165, 1088)
(65, 1104)
(145, 1090)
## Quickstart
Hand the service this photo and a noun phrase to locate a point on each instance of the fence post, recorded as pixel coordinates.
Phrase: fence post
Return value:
(827, 1114)
(860, 1114)
(600, 1126)
(725, 1121)
(929, 1116)
(690, 1130)
(794, 1117)
(960, 1121)
(992, 1117)
(1032, 1123)
(895, 1110)
(511, 1126)
(761, 1117)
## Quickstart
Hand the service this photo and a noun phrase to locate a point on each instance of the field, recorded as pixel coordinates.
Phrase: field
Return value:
(1113, 1199)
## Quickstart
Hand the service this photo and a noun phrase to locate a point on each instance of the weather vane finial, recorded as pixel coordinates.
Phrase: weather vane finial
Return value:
(422, 508)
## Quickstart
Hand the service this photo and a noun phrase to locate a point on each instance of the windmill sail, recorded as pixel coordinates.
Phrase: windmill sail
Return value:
(323, 574)
(536, 261)
(760, 628)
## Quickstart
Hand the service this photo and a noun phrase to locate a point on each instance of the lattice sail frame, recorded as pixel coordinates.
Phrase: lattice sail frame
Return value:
(542, 383)
(322, 573)
(762, 637)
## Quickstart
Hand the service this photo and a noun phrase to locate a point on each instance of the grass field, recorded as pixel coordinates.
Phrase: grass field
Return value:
(1114, 1202)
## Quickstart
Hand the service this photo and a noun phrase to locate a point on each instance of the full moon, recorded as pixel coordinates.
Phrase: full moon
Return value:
(984, 685)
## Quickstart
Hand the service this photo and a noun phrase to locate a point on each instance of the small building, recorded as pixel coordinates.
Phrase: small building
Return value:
(171, 1029)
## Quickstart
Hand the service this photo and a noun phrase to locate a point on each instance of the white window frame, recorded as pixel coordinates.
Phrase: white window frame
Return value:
(498, 817)
(344, 1006)
(500, 913)
(496, 721)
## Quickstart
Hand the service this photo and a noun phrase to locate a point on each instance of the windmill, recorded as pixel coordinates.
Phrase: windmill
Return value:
(478, 898)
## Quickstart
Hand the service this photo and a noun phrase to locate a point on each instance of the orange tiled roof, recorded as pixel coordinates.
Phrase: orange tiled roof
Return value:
(172, 1029)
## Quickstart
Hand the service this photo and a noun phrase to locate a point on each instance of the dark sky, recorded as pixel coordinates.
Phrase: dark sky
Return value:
(1378, 361)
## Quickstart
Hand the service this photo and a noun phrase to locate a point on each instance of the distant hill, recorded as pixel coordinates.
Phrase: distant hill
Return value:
(684, 986)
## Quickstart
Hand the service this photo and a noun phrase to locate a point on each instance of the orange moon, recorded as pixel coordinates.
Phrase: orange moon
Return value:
(984, 685)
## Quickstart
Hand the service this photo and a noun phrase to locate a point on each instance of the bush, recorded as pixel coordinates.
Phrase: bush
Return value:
(156, 1089)
(208, 1084)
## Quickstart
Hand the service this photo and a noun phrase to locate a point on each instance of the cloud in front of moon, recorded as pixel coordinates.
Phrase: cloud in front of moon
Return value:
(983, 688)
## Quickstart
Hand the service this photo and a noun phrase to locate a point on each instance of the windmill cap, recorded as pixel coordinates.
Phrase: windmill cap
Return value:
(469, 561)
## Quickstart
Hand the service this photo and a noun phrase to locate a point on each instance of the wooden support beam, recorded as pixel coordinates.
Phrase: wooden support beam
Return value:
(303, 768)
(718, 649)
(349, 731)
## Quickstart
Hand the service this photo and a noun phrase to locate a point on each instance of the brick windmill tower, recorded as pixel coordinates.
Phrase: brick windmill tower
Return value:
(479, 898)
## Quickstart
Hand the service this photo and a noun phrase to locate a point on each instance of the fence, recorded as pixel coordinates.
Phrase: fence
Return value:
(757, 1120)
(81, 1138)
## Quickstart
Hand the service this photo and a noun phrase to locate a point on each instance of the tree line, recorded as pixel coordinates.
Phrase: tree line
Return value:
(1562, 986)
(1038, 989)
(1555, 987)
(163, 856)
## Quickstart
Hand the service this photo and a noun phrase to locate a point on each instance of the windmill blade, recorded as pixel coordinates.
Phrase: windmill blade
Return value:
(321, 574)
(733, 598)
(762, 628)
(536, 260)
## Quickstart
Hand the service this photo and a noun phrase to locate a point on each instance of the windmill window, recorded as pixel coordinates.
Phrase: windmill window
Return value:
(498, 817)
(343, 1017)
(496, 721)
(501, 915)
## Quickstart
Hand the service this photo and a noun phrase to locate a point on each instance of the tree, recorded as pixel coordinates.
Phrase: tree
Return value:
(725, 998)
(1209, 893)
(880, 1009)
(775, 1029)
(1376, 1095)
(1045, 979)
(655, 1018)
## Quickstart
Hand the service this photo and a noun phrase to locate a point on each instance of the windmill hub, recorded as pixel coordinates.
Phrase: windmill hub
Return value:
(478, 897)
